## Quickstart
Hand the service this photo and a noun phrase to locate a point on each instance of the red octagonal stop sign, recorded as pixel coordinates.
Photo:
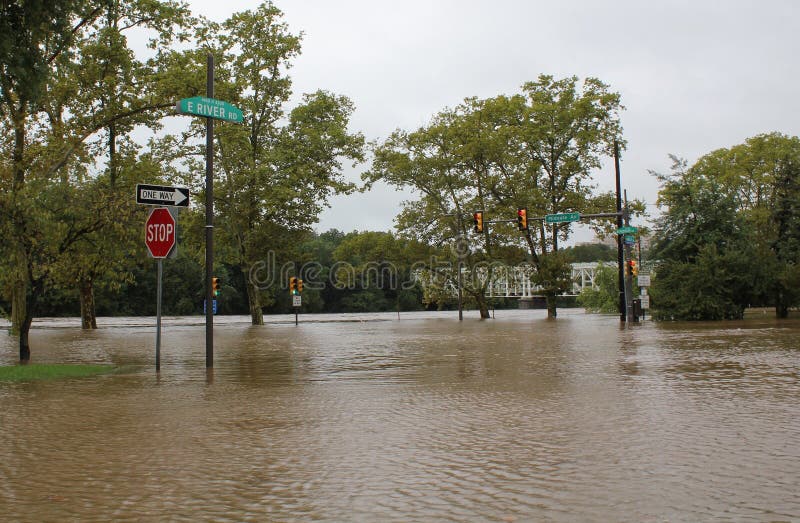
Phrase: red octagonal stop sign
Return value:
(159, 232)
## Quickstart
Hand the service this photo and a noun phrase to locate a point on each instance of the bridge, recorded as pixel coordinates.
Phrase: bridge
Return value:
(517, 281)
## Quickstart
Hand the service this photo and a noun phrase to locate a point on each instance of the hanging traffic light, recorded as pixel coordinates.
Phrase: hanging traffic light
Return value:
(293, 285)
(215, 286)
(522, 219)
(299, 286)
(477, 221)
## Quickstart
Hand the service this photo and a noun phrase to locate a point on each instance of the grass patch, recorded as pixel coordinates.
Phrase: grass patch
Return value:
(33, 372)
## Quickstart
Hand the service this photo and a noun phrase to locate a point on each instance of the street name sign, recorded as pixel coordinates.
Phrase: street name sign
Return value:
(162, 195)
(160, 232)
(210, 108)
(563, 217)
(627, 230)
(629, 239)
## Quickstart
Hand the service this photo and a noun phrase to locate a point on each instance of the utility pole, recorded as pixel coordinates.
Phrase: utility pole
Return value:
(620, 257)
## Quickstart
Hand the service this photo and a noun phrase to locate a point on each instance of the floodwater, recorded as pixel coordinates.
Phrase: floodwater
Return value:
(417, 419)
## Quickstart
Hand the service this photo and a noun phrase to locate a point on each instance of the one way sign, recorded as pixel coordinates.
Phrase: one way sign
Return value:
(162, 195)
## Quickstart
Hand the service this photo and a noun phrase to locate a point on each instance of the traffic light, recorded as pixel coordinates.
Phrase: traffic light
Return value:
(477, 220)
(293, 285)
(522, 219)
(299, 286)
(215, 286)
(634, 268)
(629, 268)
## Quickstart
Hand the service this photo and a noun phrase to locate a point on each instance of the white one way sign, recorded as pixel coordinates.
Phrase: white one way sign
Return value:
(162, 195)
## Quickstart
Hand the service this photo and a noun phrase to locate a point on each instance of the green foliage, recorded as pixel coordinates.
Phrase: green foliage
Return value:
(730, 236)
(605, 298)
(591, 252)
(535, 149)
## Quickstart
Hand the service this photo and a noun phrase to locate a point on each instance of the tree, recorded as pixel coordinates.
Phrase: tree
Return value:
(277, 171)
(605, 298)
(428, 161)
(557, 131)
(709, 267)
(535, 150)
(760, 176)
(49, 123)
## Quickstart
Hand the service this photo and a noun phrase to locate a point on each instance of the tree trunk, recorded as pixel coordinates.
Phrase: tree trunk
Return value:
(483, 306)
(18, 308)
(24, 344)
(781, 305)
(551, 304)
(88, 315)
(254, 299)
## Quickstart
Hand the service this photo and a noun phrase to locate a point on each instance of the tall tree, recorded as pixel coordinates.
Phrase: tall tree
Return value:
(536, 150)
(428, 161)
(277, 170)
(53, 120)
(760, 175)
(710, 268)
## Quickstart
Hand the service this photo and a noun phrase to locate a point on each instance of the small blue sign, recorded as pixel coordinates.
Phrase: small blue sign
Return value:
(213, 306)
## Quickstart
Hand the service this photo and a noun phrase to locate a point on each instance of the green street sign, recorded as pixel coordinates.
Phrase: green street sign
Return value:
(627, 230)
(210, 108)
(563, 217)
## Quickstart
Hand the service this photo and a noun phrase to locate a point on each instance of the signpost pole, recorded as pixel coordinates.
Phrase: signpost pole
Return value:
(158, 313)
(629, 316)
(209, 216)
(620, 256)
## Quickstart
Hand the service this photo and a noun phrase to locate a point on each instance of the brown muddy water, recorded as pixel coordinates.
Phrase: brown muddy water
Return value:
(418, 419)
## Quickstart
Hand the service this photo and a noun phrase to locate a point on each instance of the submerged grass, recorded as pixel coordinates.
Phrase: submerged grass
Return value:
(33, 372)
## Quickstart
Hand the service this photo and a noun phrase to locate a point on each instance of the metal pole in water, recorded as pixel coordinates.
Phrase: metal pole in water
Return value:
(209, 217)
(158, 314)
(620, 256)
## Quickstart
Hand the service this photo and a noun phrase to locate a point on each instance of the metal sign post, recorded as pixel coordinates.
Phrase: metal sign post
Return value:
(158, 313)
(160, 239)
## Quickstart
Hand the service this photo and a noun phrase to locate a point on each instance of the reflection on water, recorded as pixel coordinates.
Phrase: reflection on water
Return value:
(421, 419)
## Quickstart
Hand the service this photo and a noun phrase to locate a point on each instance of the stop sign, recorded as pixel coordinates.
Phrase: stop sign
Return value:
(159, 232)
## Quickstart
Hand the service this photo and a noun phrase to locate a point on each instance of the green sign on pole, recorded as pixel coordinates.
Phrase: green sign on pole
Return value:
(563, 217)
(210, 108)
(627, 230)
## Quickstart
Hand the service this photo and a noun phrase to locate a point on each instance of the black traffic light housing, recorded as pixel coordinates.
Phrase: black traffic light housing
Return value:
(522, 219)
(477, 221)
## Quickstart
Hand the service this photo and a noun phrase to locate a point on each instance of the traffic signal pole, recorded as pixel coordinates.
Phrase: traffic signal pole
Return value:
(629, 315)
(209, 218)
(620, 256)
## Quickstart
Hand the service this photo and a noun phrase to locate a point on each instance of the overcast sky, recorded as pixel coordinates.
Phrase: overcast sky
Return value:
(694, 75)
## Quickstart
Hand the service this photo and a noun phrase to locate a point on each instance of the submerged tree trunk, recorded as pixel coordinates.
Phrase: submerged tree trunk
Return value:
(483, 306)
(24, 343)
(254, 299)
(551, 304)
(781, 304)
(88, 315)
(18, 309)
